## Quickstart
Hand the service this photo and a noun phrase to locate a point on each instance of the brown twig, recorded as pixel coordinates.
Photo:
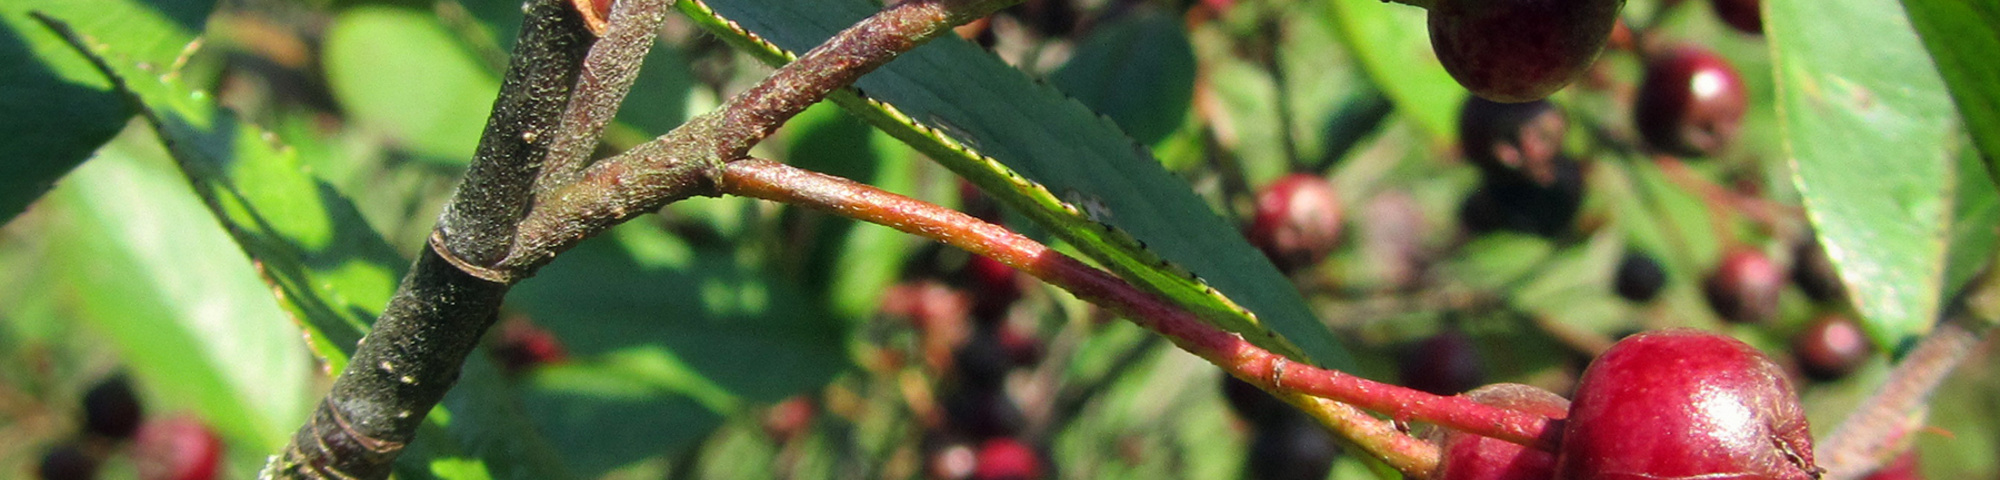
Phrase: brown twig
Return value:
(1301, 384)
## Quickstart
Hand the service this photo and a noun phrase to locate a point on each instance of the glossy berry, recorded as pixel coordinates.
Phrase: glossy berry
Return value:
(1639, 278)
(1744, 287)
(1691, 102)
(1519, 50)
(1294, 449)
(1471, 457)
(111, 409)
(1445, 364)
(1297, 221)
(67, 462)
(1683, 403)
(1516, 140)
(1831, 347)
(1743, 15)
(1007, 459)
(177, 448)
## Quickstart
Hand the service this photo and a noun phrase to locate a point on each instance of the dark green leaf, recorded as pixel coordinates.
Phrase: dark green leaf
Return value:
(1138, 70)
(1963, 36)
(1394, 46)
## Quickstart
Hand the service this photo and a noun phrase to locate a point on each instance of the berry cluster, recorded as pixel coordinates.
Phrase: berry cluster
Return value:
(115, 423)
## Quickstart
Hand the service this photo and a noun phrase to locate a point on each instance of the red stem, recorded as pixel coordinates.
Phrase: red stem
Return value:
(1273, 372)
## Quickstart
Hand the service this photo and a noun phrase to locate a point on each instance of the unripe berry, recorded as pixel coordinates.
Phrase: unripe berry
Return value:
(177, 448)
(1691, 102)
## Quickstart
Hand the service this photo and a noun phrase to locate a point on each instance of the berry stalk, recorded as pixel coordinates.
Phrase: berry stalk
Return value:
(1303, 385)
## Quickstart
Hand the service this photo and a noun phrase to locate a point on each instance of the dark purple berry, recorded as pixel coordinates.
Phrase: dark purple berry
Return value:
(1516, 140)
(1519, 50)
(1524, 206)
(981, 412)
(1295, 449)
(67, 462)
(1691, 102)
(1445, 364)
(1743, 15)
(1639, 278)
(111, 409)
(1251, 403)
(1814, 273)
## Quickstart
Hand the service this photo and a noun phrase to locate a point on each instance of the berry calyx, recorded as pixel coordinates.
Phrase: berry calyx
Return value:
(1297, 221)
(1744, 287)
(1519, 50)
(1684, 403)
(1691, 102)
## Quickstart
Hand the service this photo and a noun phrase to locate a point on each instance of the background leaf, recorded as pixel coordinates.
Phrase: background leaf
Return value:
(54, 107)
(1138, 69)
(403, 74)
(1869, 129)
(1394, 47)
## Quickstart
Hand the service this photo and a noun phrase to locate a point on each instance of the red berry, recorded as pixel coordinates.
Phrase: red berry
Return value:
(522, 346)
(1297, 221)
(1007, 459)
(1683, 403)
(790, 418)
(178, 448)
(1515, 140)
(1904, 467)
(1831, 347)
(1519, 50)
(111, 409)
(1471, 457)
(1691, 102)
(1744, 287)
(1743, 15)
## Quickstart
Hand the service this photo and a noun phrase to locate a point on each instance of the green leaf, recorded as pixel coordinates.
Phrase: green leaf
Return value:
(1138, 70)
(1870, 131)
(664, 333)
(149, 266)
(1394, 47)
(403, 74)
(54, 107)
(849, 263)
(331, 273)
(1963, 36)
(1055, 162)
